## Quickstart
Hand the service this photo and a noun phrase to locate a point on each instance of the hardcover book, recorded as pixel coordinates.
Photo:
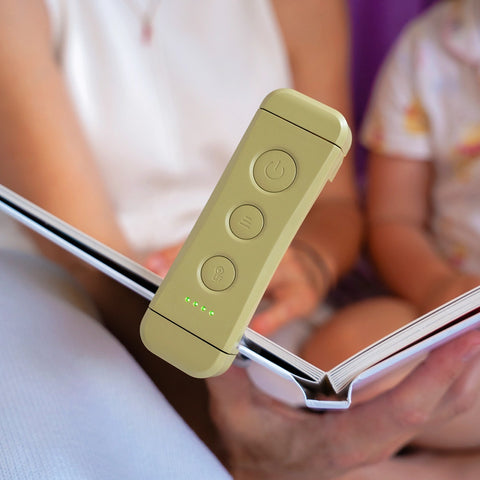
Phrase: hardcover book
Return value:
(274, 369)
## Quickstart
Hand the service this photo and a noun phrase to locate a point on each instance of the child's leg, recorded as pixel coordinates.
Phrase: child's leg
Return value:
(352, 329)
(355, 327)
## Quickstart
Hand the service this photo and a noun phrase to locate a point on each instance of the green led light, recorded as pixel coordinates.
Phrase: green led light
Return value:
(203, 308)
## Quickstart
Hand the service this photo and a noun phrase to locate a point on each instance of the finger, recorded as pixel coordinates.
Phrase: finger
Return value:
(161, 261)
(461, 396)
(437, 374)
(234, 388)
(158, 264)
(243, 414)
(235, 393)
(451, 426)
(171, 253)
(288, 304)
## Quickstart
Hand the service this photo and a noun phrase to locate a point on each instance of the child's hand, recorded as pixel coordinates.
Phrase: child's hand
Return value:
(160, 262)
(294, 292)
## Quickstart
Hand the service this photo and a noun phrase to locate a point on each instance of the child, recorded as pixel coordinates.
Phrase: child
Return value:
(423, 202)
(423, 131)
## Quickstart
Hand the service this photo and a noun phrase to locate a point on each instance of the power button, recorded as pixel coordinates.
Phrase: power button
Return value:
(274, 171)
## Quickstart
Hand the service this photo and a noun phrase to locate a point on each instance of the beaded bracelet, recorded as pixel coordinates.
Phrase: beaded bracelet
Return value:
(316, 260)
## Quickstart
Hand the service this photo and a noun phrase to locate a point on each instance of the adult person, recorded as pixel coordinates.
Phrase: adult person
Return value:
(119, 117)
(135, 107)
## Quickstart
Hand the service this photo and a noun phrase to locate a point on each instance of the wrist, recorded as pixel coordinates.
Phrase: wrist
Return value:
(315, 266)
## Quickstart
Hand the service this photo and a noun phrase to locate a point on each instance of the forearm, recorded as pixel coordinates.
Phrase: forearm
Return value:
(333, 229)
(402, 246)
(45, 156)
(407, 260)
(53, 168)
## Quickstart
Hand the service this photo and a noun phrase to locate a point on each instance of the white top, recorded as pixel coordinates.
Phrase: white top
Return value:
(164, 117)
(426, 106)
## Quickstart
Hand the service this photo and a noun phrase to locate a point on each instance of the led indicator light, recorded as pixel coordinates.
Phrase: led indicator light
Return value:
(195, 303)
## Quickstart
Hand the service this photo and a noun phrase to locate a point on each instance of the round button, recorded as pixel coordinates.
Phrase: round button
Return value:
(246, 222)
(274, 171)
(218, 273)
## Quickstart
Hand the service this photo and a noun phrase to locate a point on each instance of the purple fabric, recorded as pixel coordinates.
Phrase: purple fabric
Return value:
(375, 25)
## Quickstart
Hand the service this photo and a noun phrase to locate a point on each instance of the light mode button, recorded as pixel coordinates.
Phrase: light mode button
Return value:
(274, 171)
(218, 273)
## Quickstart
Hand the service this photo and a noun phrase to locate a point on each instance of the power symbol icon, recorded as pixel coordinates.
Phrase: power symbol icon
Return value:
(275, 170)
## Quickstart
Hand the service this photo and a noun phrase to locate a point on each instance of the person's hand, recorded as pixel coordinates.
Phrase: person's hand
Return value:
(294, 292)
(266, 439)
(449, 288)
(423, 464)
(160, 262)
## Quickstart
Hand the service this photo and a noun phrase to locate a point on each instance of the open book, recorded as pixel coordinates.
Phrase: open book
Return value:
(289, 377)
(372, 369)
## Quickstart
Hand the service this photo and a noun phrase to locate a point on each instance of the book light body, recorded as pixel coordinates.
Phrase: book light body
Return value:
(200, 312)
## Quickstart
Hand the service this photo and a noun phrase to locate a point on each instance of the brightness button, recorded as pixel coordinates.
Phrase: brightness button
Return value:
(246, 222)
